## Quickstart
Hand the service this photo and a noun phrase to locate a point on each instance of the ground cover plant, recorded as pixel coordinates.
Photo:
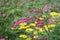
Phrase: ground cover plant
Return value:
(29, 19)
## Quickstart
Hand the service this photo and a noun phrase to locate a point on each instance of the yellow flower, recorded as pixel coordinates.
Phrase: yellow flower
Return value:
(41, 18)
(46, 27)
(32, 24)
(41, 30)
(54, 14)
(51, 30)
(29, 29)
(59, 14)
(53, 17)
(22, 36)
(29, 39)
(36, 36)
(35, 32)
(49, 26)
(23, 27)
(53, 25)
(37, 28)
(24, 23)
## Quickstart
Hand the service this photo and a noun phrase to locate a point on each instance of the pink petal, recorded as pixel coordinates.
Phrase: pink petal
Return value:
(18, 22)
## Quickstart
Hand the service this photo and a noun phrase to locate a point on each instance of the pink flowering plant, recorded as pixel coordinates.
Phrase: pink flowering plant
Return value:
(29, 20)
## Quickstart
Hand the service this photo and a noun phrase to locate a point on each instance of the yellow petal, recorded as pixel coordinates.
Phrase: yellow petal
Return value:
(51, 30)
(32, 24)
(23, 23)
(53, 13)
(29, 39)
(46, 27)
(41, 18)
(29, 29)
(53, 25)
(35, 36)
(40, 30)
(23, 36)
(23, 27)
(49, 26)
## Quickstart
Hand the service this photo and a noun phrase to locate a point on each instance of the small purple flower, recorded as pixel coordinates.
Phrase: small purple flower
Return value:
(32, 35)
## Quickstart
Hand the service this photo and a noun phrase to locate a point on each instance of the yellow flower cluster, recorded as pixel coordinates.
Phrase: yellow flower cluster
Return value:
(32, 27)
(29, 29)
(49, 26)
(23, 26)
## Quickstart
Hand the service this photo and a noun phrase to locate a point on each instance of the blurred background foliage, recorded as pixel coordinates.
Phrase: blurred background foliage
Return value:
(13, 10)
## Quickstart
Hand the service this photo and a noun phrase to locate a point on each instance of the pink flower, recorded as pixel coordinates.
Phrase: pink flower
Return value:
(51, 21)
(36, 11)
(46, 7)
(18, 22)
(40, 22)
(2, 38)
(21, 21)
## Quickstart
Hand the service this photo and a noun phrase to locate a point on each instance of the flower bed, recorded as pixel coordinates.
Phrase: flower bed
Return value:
(39, 28)
(29, 19)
